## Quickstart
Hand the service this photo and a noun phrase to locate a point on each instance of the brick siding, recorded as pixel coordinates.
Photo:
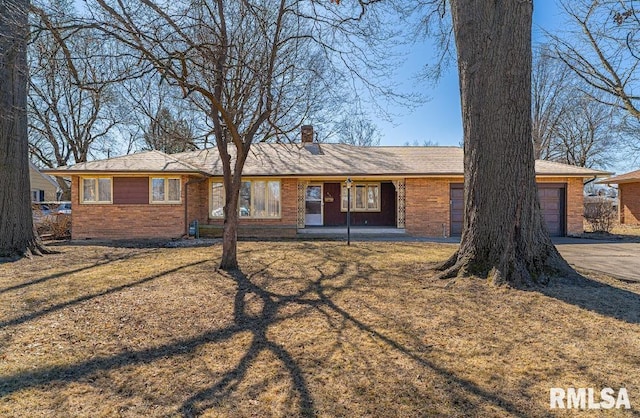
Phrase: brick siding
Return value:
(427, 206)
(575, 205)
(428, 210)
(108, 221)
(629, 203)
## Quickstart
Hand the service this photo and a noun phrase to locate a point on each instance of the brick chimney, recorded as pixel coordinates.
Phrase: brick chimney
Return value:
(307, 134)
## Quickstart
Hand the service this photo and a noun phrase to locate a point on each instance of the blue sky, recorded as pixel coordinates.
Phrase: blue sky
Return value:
(439, 120)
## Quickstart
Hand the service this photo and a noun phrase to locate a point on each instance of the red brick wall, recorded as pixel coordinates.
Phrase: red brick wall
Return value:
(575, 205)
(198, 200)
(427, 205)
(109, 221)
(426, 212)
(629, 203)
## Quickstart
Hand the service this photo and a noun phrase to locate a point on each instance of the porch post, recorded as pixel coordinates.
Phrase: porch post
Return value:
(302, 191)
(400, 202)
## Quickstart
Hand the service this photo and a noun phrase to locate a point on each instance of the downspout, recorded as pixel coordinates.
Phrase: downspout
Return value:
(589, 181)
(186, 202)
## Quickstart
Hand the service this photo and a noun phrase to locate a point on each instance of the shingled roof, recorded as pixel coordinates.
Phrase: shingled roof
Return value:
(630, 177)
(313, 160)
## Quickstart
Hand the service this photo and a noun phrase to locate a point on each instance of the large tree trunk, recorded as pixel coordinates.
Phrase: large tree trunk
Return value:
(504, 236)
(17, 236)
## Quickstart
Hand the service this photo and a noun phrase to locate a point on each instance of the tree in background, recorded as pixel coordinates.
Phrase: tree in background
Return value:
(549, 91)
(168, 134)
(71, 102)
(357, 130)
(571, 123)
(17, 234)
(148, 98)
(602, 47)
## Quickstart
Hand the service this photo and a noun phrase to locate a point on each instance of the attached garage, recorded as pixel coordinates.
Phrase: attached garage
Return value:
(552, 203)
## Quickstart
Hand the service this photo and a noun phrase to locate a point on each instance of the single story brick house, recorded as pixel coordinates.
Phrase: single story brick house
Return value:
(290, 187)
(628, 195)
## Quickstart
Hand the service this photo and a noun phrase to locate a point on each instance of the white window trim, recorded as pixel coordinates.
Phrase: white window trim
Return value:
(96, 202)
(250, 180)
(166, 190)
(343, 207)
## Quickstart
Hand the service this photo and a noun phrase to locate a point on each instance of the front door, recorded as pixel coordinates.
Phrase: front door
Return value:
(313, 205)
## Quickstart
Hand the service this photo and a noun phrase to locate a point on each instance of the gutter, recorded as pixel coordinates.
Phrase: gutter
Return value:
(590, 181)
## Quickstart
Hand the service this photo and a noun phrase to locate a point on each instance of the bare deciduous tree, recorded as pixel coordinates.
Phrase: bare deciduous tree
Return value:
(257, 69)
(601, 46)
(71, 104)
(549, 105)
(357, 129)
(570, 122)
(147, 97)
(168, 134)
(602, 49)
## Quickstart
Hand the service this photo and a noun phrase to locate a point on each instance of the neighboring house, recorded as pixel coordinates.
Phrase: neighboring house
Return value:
(289, 187)
(43, 187)
(628, 196)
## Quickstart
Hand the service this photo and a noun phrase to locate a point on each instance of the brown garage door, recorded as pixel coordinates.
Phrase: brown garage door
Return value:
(457, 208)
(552, 198)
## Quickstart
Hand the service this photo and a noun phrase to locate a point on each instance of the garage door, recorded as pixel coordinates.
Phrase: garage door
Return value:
(553, 207)
(457, 208)
(552, 203)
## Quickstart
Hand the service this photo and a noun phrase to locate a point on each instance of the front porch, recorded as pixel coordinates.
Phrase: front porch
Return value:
(355, 230)
(335, 232)
(375, 204)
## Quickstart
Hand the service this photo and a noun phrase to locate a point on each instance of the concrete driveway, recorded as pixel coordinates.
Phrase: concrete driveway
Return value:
(618, 259)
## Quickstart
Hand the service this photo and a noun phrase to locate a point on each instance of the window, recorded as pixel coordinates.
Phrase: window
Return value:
(217, 200)
(244, 204)
(96, 190)
(37, 195)
(365, 197)
(165, 190)
(258, 199)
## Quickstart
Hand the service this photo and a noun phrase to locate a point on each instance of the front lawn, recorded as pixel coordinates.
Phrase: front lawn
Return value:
(307, 329)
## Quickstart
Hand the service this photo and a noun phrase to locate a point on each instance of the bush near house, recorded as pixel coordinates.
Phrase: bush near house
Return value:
(49, 222)
(600, 213)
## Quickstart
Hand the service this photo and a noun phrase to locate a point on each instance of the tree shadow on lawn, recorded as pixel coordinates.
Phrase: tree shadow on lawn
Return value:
(108, 259)
(596, 296)
(318, 295)
(57, 307)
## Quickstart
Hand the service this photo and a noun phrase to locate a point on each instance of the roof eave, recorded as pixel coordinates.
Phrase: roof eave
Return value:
(64, 173)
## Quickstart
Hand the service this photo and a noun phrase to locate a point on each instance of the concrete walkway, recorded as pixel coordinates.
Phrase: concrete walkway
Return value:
(618, 259)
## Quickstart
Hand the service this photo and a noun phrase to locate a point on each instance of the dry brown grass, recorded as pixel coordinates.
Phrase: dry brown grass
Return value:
(307, 329)
(630, 230)
(619, 231)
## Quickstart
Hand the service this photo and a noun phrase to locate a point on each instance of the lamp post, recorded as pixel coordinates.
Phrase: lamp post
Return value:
(348, 183)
